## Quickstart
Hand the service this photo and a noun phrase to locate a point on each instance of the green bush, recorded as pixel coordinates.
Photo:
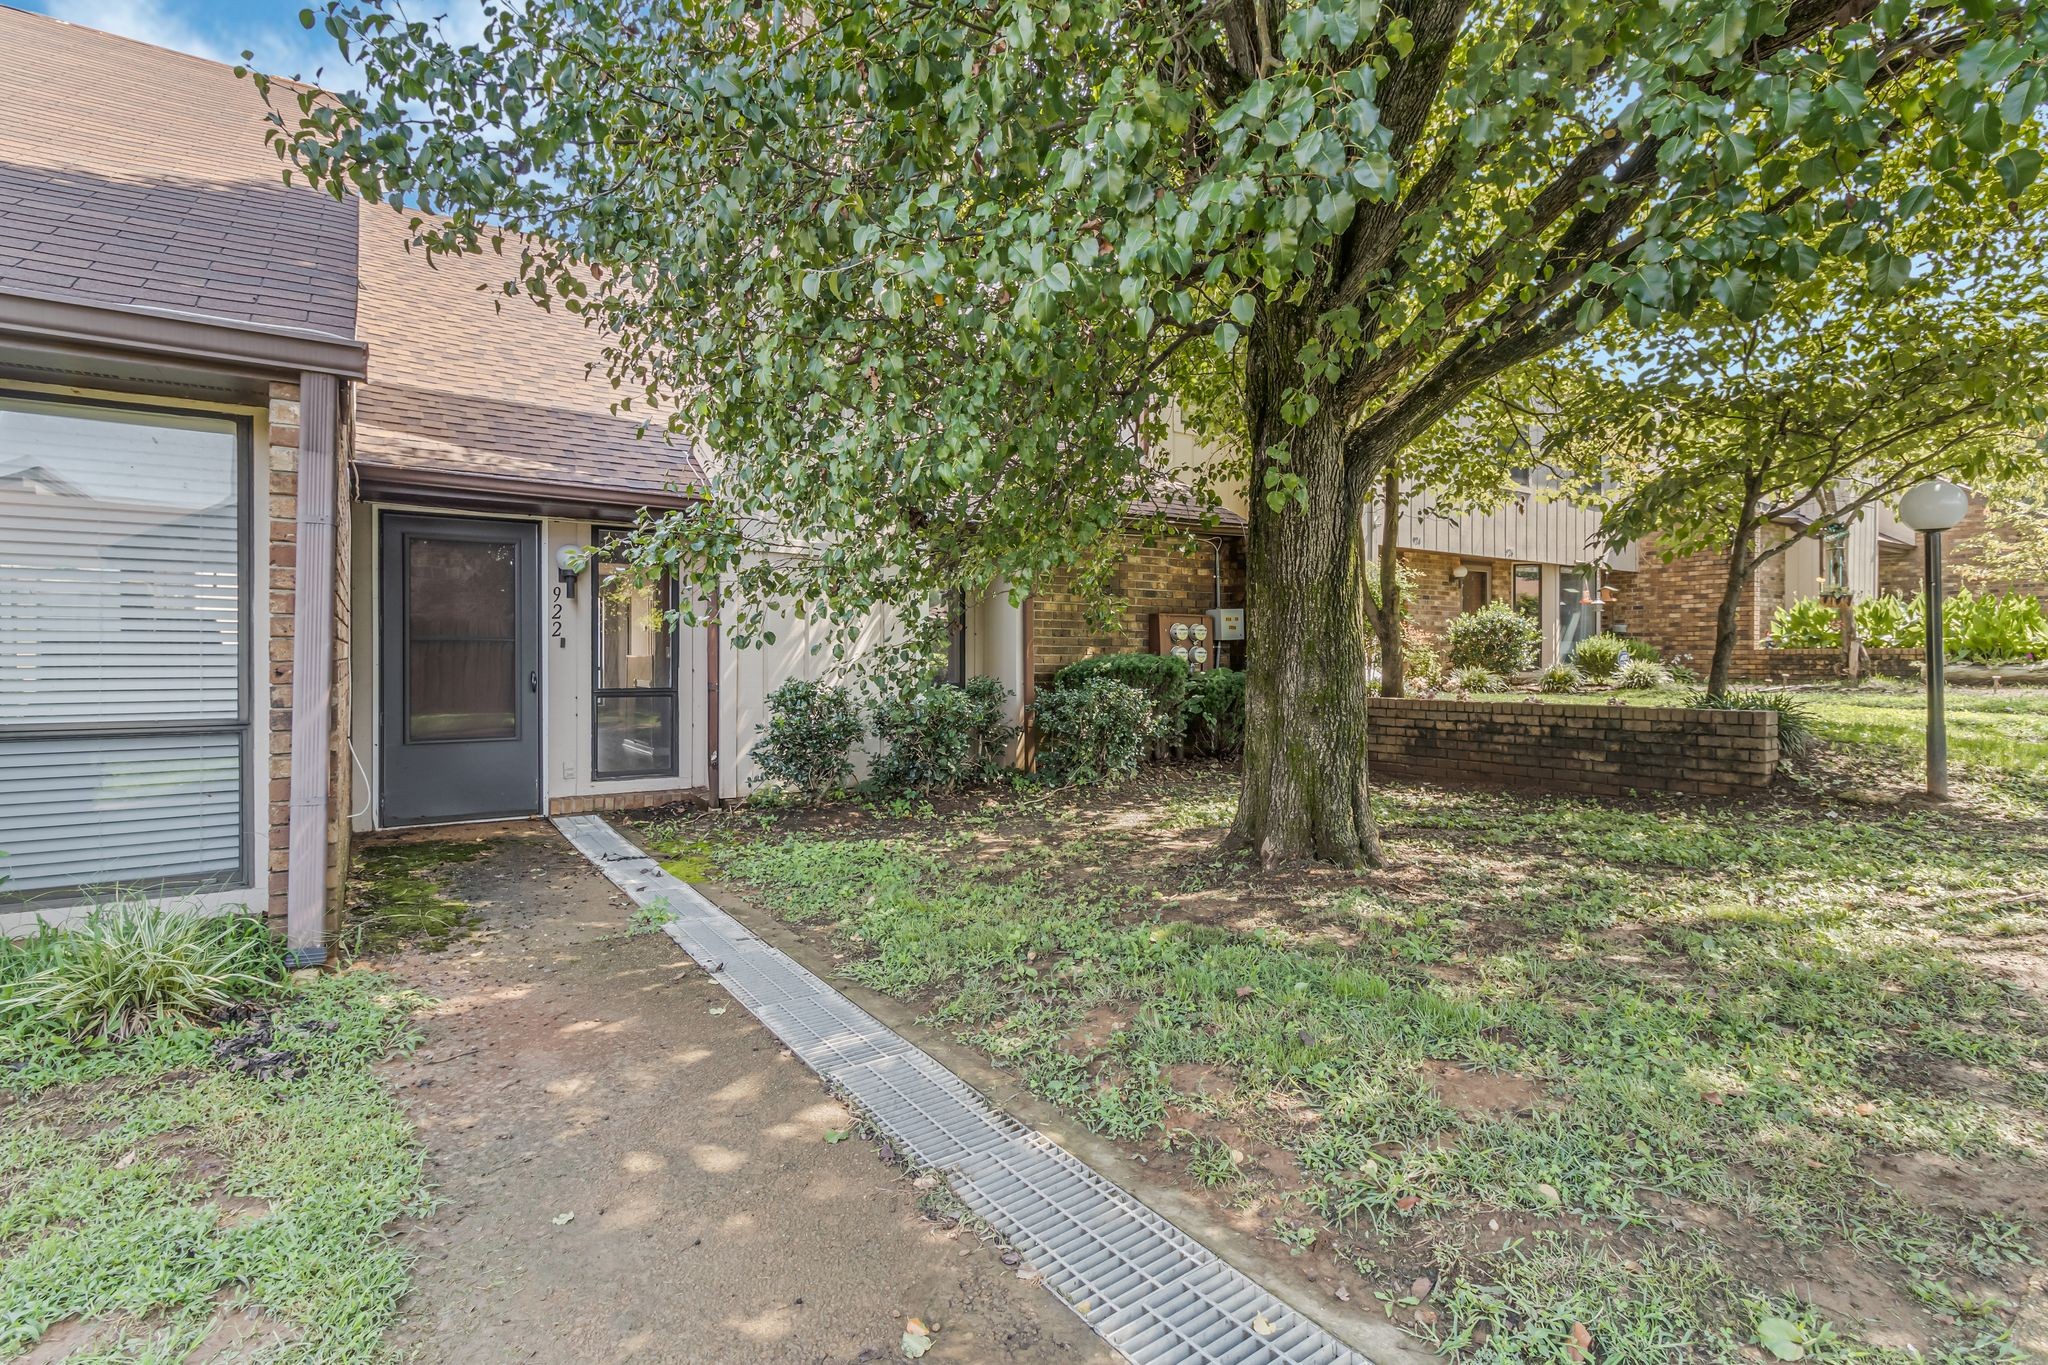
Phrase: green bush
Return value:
(1600, 657)
(1989, 628)
(1639, 675)
(1795, 721)
(1093, 731)
(1495, 637)
(1983, 628)
(1161, 677)
(1474, 678)
(1212, 717)
(1807, 624)
(1890, 622)
(1560, 678)
(811, 729)
(938, 737)
(1422, 668)
(131, 964)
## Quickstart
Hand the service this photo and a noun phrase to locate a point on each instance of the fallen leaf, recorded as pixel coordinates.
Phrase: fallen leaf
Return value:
(1865, 1109)
(1782, 1338)
(835, 1135)
(1083, 1306)
(1261, 1326)
(562, 1218)
(718, 1009)
(1582, 1342)
(1407, 1202)
(1420, 1289)
(1343, 1294)
(1425, 1317)
(1715, 1097)
(1244, 992)
(916, 1327)
(1548, 1193)
(914, 1345)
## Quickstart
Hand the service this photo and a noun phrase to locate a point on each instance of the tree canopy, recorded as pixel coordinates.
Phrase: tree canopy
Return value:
(917, 270)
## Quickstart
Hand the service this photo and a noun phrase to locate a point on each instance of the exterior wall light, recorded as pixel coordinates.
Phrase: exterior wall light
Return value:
(1931, 507)
(569, 561)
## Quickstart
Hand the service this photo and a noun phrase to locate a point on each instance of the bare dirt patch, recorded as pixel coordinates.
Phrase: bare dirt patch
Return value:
(633, 1169)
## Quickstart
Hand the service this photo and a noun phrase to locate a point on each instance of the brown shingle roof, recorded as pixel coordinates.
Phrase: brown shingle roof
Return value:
(133, 177)
(465, 380)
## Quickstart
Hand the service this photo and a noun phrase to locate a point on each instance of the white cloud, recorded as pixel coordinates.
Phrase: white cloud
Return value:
(283, 48)
(147, 21)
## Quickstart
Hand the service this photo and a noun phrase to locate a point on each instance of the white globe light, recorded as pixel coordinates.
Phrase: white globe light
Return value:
(1934, 505)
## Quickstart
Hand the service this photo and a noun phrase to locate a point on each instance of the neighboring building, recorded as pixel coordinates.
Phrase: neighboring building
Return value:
(282, 512)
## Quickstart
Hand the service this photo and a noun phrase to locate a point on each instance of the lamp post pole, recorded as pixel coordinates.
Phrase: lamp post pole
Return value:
(1931, 507)
(1937, 716)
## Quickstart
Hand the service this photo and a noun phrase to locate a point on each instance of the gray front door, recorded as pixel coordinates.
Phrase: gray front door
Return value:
(460, 669)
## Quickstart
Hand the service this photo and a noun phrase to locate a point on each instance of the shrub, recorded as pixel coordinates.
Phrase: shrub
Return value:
(1989, 628)
(1212, 717)
(812, 726)
(1644, 650)
(939, 737)
(1641, 674)
(1795, 721)
(1092, 731)
(1889, 622)
(1560, 678)
(1495, 637)
(1161, 677)
(1600, 657)
(130, 964)
(1422, 668)
(1473, 678)
(1807, 624)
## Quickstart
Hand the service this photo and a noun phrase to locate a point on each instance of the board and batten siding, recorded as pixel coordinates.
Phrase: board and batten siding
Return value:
(1537, 527)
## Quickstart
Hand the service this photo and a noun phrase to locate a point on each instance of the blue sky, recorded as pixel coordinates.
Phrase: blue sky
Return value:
(223, 29)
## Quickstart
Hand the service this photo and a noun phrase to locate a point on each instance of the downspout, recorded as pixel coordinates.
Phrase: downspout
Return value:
(712, 720)
(312, 671)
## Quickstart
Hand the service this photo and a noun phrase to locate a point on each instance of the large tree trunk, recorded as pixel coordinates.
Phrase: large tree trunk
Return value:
(1304, 789)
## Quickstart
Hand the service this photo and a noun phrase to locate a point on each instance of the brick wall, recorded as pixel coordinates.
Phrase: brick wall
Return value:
(282, 508)
(603, 802)
(1672, 605)
(1435, 599)
(1152, 577)
(1962, 547)
(1579, 749)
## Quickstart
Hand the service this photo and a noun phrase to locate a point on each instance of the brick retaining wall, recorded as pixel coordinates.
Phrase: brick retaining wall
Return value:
(1569, 747)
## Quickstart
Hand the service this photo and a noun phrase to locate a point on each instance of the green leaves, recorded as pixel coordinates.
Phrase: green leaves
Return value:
(917, 271)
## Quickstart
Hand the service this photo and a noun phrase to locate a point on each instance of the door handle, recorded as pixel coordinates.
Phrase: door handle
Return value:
(533, 681)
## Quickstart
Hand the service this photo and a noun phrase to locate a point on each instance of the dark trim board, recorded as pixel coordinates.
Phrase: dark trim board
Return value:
(188, 338)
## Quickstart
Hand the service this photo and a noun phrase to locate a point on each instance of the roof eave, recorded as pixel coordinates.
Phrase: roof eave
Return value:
(191, 338)
(479, 490)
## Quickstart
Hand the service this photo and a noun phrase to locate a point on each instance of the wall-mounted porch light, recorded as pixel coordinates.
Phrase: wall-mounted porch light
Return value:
(1459, 574)
(569, 562)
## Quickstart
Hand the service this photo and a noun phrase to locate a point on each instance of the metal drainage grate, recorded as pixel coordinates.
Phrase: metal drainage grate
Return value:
(1146, 1287)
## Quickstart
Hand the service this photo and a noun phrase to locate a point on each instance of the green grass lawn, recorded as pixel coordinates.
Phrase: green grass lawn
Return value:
(157, 1205)
(1694, 1079)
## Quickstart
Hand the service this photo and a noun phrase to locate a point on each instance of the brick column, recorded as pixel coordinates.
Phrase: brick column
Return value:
(283, 541)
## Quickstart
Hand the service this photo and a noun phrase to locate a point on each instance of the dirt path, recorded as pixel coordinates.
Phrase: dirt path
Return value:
(634, 1169)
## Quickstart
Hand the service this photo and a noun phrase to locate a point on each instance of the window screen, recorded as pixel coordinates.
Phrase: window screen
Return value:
(635, 676)
(123, 657)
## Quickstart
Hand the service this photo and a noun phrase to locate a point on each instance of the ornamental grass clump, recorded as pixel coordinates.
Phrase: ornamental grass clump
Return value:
(130, 965)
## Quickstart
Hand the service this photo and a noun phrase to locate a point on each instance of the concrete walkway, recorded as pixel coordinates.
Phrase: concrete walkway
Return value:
(633, 1169)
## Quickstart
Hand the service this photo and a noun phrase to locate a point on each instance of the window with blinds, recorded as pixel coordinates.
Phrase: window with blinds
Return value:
(124, 689)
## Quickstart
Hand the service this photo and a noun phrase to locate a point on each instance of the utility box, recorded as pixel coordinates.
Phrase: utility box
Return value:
(1186, 636)
(1226, 624)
